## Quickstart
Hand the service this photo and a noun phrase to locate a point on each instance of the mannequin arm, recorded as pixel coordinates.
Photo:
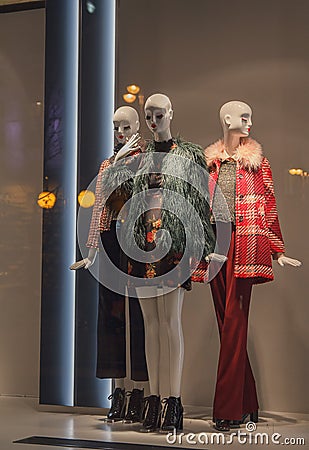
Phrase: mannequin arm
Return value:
(86, 262)
(271, 214)
(129, 147)
(285, 260)
(94, 229)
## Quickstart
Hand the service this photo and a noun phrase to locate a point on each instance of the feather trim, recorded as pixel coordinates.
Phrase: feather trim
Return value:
(174, 183)
(118, 180)
(249, 153)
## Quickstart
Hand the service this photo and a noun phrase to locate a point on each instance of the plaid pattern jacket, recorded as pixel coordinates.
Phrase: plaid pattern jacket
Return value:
(101, 217)
(258, 236)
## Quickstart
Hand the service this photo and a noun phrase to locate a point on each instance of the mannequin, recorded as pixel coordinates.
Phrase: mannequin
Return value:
(111, 357)
(159, 114)
(238, 167)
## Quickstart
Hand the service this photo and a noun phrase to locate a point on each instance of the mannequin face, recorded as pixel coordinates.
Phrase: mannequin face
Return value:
(239, 124)
(158, 119)
(122, 130)
(126, 123)
(158, 114)
(236, 118)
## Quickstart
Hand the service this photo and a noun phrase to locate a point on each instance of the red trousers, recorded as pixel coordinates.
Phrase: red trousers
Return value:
(235, 393)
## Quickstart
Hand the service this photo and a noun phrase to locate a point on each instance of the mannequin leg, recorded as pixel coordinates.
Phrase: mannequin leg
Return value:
(250, 401)
(173, 412)
(240, 289)
(139, 373)
(137, 340)
(228, 402)
(218, 292)
(219, 295)
(141, 385)
(111, 332)
(150, 312)
(173, 302)
(152, 411)
(234, 378)
(111, 340)
(119, 383)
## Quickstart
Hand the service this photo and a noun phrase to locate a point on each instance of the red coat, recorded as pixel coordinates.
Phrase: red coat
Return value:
(258, 236)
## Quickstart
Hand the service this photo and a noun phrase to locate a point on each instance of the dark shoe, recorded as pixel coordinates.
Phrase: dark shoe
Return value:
(136, 405)
(118, 407)
(254, 417)
(152, 412)
(173, 414)
(222, 425)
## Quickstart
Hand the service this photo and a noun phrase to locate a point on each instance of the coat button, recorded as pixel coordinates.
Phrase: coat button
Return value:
(241, 197)
(240, 175)
(241, 218)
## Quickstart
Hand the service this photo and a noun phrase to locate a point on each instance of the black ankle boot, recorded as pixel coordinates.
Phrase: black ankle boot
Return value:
(135, 407)
(117, 410)
(222, 425)
(173, 414)
(152, 412)
(254, 417)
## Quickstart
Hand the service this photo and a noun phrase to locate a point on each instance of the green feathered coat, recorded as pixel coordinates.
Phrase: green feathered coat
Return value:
(185, 173)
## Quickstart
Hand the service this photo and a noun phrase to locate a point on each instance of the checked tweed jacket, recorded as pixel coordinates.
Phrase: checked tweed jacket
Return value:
(101, 217)
(258, 237)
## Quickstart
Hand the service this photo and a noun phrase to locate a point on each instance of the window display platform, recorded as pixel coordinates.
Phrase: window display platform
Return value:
(22, 418)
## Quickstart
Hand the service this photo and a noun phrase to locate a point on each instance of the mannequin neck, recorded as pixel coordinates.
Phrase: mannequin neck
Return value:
(162, 135)
(231, 142)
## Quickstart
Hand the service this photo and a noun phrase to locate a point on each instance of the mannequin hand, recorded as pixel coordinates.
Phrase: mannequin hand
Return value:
(79, 264)
(216, 257)
(285, 260)
(128, 147)
(86, 262)
(92, 254)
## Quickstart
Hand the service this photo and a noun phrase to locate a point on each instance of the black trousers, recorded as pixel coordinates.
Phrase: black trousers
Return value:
(111, 333)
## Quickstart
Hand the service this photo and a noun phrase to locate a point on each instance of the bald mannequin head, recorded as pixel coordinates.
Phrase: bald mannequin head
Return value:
(126, 123)
(158, 114)
(158, 101)
(236, 118)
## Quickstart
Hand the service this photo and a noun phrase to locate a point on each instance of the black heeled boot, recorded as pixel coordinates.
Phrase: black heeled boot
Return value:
(118, 407)
(152, 412)
(135, 407)
(222, 425)
(173, 414)
(254, 417)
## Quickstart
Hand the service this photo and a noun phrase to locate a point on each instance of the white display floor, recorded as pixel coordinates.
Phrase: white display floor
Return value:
(23, 417)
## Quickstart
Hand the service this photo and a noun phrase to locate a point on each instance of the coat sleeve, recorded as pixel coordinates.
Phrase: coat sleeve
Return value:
(202, 205)
(271, 214)
(94, 229)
